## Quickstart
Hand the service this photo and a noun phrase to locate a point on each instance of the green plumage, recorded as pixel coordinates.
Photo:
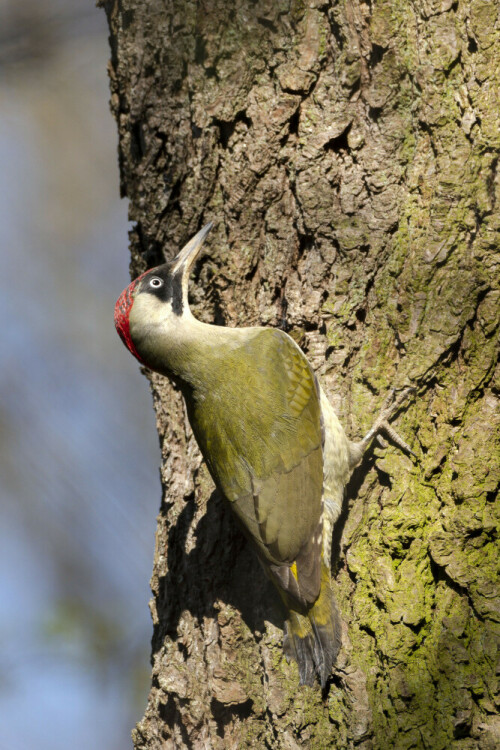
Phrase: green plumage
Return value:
(257, 421)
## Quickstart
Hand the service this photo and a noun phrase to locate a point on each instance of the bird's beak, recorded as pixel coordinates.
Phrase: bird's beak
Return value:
(185, 259)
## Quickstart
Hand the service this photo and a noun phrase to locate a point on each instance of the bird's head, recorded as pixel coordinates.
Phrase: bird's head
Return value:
(156, 301)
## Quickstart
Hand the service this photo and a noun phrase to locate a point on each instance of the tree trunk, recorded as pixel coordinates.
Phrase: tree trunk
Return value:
(347, 154)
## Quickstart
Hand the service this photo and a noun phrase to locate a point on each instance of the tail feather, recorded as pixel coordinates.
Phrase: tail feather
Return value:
(312, 638)
(298, 645)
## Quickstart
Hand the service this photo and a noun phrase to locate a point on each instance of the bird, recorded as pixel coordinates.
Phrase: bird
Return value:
(271, 440)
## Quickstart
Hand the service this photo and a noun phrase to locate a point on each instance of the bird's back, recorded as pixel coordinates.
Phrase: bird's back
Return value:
(258, 424)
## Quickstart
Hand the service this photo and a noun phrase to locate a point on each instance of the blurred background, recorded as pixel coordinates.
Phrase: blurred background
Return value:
(79, 481)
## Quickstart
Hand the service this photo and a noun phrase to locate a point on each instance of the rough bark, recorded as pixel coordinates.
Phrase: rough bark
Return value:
(347, 153)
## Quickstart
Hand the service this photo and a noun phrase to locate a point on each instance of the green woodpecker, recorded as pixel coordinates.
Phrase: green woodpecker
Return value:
(270, 438)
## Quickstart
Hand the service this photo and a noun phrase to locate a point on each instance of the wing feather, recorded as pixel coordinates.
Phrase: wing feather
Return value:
(259, 429)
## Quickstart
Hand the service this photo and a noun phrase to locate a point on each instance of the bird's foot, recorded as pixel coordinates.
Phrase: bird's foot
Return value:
(381, 424)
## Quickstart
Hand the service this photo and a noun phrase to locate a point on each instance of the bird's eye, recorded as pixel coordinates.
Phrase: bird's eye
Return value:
(155, 282)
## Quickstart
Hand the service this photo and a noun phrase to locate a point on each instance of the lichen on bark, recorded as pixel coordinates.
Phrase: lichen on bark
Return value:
(348, 155)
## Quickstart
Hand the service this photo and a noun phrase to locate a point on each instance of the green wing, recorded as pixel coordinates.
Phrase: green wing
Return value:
(259, 429)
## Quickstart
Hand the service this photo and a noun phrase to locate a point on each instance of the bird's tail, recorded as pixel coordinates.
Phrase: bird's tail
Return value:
(313, 636)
